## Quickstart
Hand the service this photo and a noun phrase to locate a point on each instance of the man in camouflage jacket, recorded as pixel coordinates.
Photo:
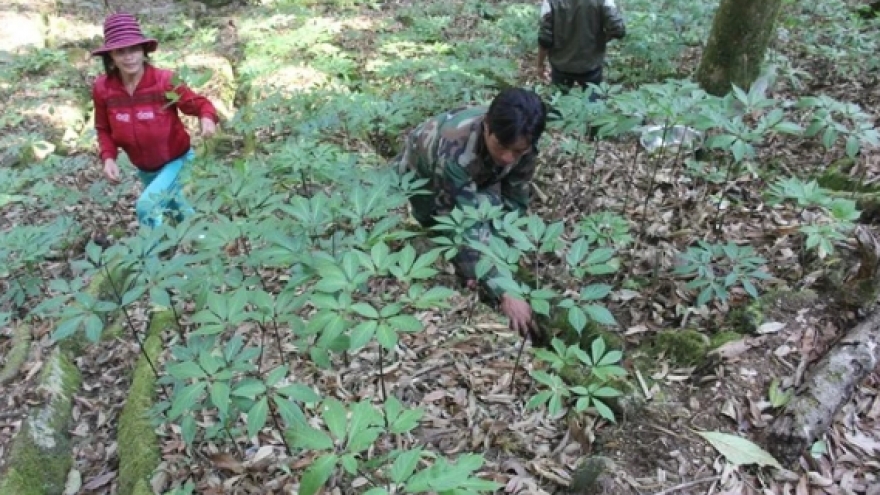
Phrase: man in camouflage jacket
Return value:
(574, 34)
(472, 155)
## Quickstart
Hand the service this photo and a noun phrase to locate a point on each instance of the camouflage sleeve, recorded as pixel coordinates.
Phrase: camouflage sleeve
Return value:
(612, 20)
(515, 188)
(545, 33)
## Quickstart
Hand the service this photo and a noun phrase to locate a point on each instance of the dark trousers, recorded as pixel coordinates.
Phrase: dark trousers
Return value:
(566, 80)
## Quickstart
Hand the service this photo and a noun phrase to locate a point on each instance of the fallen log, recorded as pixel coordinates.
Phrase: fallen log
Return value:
(831, 384)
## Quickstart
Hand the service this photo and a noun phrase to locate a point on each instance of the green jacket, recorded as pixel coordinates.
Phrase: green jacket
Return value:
(449, 150)
(575, 33)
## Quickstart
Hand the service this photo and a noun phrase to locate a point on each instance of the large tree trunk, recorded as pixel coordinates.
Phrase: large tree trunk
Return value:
(741, 31)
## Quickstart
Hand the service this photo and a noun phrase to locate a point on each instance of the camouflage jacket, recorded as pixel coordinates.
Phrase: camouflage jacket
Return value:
(449, 150)
(575, 33)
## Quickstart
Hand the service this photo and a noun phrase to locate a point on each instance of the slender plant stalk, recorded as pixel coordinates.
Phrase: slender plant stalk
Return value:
(716, 223)
(592, 181)
(278, 426)
(382, 380)
(516, 365)
(644, 221)
(631, 174)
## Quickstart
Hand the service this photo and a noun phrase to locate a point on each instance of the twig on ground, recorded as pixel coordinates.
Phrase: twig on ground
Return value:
(689, 484)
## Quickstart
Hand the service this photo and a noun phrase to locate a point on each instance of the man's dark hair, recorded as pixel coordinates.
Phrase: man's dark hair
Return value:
(516, 113)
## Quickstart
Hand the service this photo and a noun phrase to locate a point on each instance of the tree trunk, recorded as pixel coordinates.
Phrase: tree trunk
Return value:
(741, 32)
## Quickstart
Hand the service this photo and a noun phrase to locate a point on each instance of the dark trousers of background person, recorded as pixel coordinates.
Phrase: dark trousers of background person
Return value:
(566, 81)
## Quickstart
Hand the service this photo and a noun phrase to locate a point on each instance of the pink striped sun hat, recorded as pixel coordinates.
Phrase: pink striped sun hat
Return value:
(121, 31)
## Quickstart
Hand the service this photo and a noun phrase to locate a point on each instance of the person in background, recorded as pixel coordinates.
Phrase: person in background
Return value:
(476, 154)
(136, 109)
(573, 36)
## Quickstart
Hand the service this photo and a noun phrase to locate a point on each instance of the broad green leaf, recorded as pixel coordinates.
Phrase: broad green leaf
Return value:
(539, 399)
(577, 318)
(600, 314)
(185, 399)
(304, 436)
(188, 429)
(386, 336)
(67, 328)
(405, 323)
(407, 421)
(738, 450)
(363, 333)
(186, 370)
(595, 291)
(405, 465)
(350, 463)
(334, 415)
(317, 474)
(365, 310)
(604, 410)
(289, 411)
(362, 440)
(249, 388)
(276, 376)
(299, 392)
(220, 397)
(93, 327)
(256, 418)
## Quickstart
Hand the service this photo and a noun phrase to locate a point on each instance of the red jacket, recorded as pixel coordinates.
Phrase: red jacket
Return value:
(146, 124)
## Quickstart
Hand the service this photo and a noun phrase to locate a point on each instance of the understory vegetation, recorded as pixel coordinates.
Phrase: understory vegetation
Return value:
(303, 296)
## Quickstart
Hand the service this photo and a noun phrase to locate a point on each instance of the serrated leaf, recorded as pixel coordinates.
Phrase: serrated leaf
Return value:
(220, 397)
(317, 474)
(600, 314)
(186, 370)
(299, 392)
(304, 436)
(405, 465)
(738, 450)
(334, 415)
(257, 416)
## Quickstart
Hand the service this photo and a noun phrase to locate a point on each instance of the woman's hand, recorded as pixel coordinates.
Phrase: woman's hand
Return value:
(208, 126)
(111, 170)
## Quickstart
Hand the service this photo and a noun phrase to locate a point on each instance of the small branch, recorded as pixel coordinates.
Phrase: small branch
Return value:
(689, 484)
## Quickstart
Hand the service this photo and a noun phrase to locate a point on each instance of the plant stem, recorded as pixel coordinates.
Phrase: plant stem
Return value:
(516, 365)
(716, 223)
(382, 378)
(278, 427)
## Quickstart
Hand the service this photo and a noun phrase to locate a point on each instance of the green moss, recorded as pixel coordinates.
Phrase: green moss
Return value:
(138, 445)
(772, 305)
(142, 488)
(837, 178)
(720, 338)
(682, 347)
(21, 345)
(41, 456)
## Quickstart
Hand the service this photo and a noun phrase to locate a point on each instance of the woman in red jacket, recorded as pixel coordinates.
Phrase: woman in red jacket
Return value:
(136, 108)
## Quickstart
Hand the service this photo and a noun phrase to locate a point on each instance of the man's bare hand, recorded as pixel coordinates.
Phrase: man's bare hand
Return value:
(520, 315)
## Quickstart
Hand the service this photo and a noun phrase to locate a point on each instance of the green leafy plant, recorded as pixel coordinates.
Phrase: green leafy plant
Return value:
(600, 365)
(717, 268)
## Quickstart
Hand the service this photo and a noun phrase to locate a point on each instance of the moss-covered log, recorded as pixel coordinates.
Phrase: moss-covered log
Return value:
(813, 406)
(741, 32)
(138, 445)
(41, 455)
(21, 345)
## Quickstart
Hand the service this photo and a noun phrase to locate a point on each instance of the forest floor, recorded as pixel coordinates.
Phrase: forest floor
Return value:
(460, 369)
